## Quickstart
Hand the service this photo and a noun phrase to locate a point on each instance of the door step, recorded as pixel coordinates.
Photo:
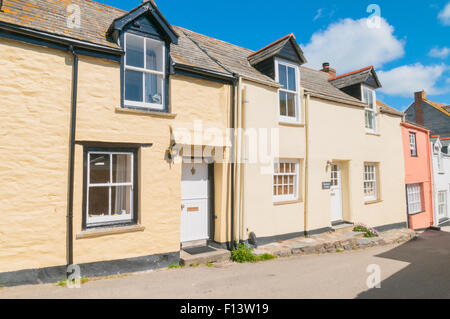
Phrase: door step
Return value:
(216, 256)
(342, 227)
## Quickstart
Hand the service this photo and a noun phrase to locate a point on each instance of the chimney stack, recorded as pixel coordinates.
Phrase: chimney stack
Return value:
(326, 68)
(418, 101)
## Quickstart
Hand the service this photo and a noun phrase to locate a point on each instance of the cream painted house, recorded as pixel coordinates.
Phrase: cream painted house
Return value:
(117, 147)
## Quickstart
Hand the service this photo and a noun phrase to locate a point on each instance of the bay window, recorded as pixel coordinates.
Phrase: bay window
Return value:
(288, 75)
(144, 70)
(110, 188)
(369, 97)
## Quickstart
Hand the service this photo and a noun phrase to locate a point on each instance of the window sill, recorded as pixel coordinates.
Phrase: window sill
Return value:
(290, 202)
(94, 233)
(418, 213)
(373, 134)
(373, 202)
(292, 124)
(144, 112)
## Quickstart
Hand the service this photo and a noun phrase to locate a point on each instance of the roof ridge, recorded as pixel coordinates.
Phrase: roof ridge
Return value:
(350, 73)
(273, 43)
(183, 28)
(106, 5)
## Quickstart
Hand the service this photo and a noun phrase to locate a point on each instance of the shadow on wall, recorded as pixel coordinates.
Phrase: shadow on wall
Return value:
(427, 276)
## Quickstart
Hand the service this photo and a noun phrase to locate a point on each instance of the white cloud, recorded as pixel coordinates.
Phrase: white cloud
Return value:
(350, 44)
(444, 15)
(407, 79)
(439, 52)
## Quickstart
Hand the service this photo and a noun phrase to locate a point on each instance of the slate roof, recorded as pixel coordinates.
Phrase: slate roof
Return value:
(275, 48)
(355, 77)
(384, 108)
(193, 49)
(441, 107)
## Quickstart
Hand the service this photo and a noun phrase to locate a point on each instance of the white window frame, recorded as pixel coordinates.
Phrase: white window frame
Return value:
(373, 180)
(95, 221)
(373, 110)
(286, 198)
(144, 104)
(413, 144)
(442, 204)
(282, 118)
(414, 194)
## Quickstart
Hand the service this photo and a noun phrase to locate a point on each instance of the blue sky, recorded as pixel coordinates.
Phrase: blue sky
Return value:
(409, 45)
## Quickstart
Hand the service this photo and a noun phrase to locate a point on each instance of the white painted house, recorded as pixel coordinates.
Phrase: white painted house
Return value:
(441, 179)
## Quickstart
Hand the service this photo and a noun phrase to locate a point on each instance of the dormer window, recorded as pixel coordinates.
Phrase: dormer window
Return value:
(144, 76)
(288, 75)
(369, 97)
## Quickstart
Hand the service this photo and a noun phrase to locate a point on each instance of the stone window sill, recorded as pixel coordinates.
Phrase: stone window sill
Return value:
(373, 134)
(291, 124)
(144, 112)
(287, 202)
(373, 202)
(100, 232)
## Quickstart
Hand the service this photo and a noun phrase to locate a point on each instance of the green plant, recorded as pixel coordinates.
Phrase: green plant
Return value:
(339, 251)
(209, 264)
(194, 265)
(63, 283)
(175, 266)
(243, 254)
(368, 232)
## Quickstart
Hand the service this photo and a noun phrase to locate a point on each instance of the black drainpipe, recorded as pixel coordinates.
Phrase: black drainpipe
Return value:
(70, 185)
(233, 124)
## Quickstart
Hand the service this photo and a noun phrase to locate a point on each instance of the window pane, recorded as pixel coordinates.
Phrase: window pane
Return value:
(98, 201)
(135, 51)
(99, 168)
(369, 120)
(121, 198)
(282, 75)
(153, 88)
(133, 86)
(154, 55)
(292, 85)
(122, 168)
(291, 105)
(283, 103)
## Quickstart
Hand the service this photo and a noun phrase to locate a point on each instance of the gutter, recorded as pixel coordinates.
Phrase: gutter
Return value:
(305, 200)
(62, 40)
(70, 185)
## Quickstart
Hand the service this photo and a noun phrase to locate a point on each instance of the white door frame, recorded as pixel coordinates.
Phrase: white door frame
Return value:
(336, 209)
(196, 204)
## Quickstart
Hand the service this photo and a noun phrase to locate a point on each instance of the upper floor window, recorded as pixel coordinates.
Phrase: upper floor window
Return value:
(369, 97)
(413, 144)
(288, 75)
(144, 72)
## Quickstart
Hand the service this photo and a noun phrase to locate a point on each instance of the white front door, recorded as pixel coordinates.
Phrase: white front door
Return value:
(194, 202)
(336, 193)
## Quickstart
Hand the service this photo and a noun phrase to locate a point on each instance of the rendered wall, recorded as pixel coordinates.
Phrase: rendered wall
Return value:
(261, 215)
(417, 171)
(337, 134)
(34, 133)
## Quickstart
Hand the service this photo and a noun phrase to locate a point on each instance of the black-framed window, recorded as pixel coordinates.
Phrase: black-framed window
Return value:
(144, 73)
(110, 187)
(413, 144)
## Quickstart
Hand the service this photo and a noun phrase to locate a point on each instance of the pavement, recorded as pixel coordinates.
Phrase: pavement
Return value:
(419, 268)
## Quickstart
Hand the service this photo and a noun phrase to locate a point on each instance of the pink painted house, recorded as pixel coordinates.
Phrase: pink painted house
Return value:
(418, 175)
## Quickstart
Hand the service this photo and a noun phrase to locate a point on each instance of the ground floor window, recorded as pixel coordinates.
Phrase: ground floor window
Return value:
(370, 182)
(442, 204)
(110, 187)
(414, 194)
(285, 180)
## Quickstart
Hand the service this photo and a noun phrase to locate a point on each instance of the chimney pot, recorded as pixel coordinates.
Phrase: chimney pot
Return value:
(326, 68)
